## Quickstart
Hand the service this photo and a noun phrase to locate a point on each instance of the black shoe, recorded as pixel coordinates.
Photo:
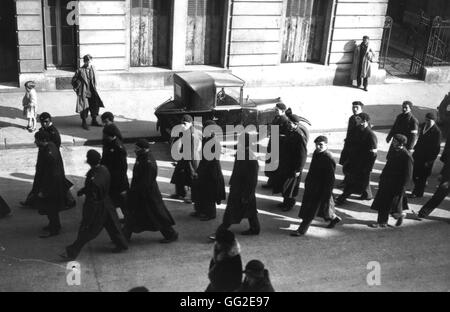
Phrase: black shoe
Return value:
(334, 222)
(250, 232)
(365, 89)
(399, 221)
(169, 240)
(296, 234)
(84, 125)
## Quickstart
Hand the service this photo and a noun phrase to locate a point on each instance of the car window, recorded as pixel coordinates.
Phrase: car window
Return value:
(227, 96)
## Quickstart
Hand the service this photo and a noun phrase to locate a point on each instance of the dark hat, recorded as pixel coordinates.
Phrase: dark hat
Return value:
(366, 37)
(186, 118)
(400, 138)
(281, 106)
(111, 130)
(42, 135)
(143, 143)
(87, 57)
(364, 117)
(321, 138)
(431, 116)
(107, 116)
(225, 237)
(93, 157)
(210, 123)
(409, 103)
(254, 268)
(30, 84)
(45, 116)
(359, 103)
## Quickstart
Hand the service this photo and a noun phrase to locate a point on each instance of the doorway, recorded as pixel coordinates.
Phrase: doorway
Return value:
(304, 30)
(204, 35)
(8, 42)
(60, 37)
(150, 32)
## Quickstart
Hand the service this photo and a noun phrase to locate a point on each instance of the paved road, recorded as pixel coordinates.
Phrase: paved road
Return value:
(414, 257)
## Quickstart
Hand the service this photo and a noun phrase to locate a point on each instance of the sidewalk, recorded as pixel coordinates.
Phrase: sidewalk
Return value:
(327, 107)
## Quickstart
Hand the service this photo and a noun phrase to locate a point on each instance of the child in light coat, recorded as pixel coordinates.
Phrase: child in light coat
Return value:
(29, 103)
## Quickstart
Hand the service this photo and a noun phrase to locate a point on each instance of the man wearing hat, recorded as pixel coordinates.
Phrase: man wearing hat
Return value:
(278, 120)
(396, 174)
(444, 185)
(361, 158)
(293, 154)
(318, 196)
(98, 211)
(425, 153)
(362, 59)
(405, 124)
(84, 84)
(256, 278)
(108, 120)
(146, 208)
(114, 158)
(186, 168)
(50, 184)
(357, 108)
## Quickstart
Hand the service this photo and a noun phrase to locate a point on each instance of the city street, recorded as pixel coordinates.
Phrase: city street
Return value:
(413, 257)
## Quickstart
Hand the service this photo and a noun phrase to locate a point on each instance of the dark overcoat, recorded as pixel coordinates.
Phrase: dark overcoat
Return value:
(82, 85)
(394, 179)
(242, 199)
(408, 125)
(50, 180)
(318, 195)
(210, 185)
(428, 145)
(292, 159)
(348, 140)
(145, 204)
(114, 157)
(97, 205)
(55, 137)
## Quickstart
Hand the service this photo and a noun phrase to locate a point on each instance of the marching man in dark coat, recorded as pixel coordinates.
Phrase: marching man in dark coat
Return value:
(108, 120)
(114, 158)
(146, 208)
(394, 179)
(318, 195)
(280, 109)
(425, 153)
(98, 211)
(361, 158)
(444, 185)
(357, 108)
(210, 185)
(84, 84)
(241, 202)
(292, 160)
(190, 144)
(50, 184)
(405, 124)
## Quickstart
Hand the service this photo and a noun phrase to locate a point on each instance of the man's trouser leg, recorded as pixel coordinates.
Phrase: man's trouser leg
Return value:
(383, 213)
(85, 235)
(365, 82)
(168, 232)
(435, 200)
(180, 190)
(54, 224)
(253, 222)
(93, 108)
(115, 233)
(84, 114)
(304, 226)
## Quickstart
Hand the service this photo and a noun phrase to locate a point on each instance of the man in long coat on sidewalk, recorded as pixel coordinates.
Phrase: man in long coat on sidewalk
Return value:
(425, 153)
(362, 156)
(146, 208)
(318, 195)
(292, 160)
(84, 83)
(114, 158)
(50, 184)
(98, 211)
(241, 202)
(396, 174)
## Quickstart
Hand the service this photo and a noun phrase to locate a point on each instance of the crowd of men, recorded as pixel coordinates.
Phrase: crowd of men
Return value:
(413, 151)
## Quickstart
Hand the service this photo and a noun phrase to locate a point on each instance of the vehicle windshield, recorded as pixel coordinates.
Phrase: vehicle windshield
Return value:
(228, 96)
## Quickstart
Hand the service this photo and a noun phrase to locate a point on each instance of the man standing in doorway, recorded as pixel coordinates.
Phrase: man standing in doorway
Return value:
(362, 59)
(84, 84)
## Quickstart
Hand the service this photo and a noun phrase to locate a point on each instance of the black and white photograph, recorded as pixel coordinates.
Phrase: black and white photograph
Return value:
(224, 147)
